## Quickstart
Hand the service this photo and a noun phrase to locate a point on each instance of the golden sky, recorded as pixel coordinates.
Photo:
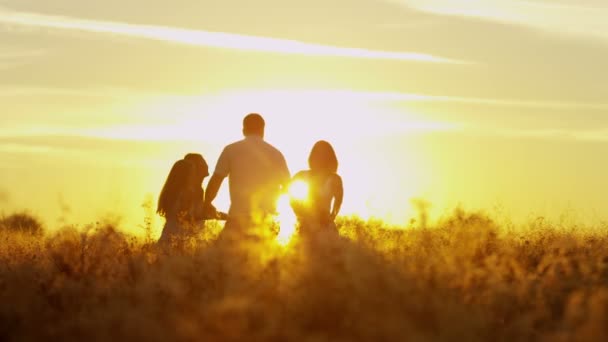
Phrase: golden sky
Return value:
(481, 103)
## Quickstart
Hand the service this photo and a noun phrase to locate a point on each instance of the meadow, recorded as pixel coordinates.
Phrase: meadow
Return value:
(466, 277)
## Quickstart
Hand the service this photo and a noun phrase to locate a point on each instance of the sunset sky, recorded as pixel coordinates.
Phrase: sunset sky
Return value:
(485, 104)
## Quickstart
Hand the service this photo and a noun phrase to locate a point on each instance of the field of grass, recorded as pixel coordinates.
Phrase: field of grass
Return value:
(465, 278)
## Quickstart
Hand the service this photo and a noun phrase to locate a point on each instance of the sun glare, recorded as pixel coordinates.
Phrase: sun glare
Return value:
(299, 190)
(294, 124)
(287, 221)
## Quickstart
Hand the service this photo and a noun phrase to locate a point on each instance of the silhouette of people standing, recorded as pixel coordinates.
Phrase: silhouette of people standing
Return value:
(325, 191)
(256, 172)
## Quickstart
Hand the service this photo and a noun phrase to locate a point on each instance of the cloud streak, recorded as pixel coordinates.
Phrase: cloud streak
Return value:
(101, 92)
(15, 58)
(9, 55)
(578, 19)
(597, 136)
(370, 96)
(507, 102)
(208, 38)
(19, 149)
(318, 95)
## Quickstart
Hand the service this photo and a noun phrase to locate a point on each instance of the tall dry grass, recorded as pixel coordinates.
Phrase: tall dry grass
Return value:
(465, 278)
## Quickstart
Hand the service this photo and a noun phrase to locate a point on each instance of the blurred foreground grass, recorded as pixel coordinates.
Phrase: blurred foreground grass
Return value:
(466, 278)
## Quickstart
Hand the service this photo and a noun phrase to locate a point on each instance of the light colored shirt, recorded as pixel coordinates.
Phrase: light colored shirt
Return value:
(255, 170)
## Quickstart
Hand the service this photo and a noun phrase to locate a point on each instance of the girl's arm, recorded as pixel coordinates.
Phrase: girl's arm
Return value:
(338, 197)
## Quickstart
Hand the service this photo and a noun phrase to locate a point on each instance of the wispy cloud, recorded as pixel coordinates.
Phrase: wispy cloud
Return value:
(19, 54)
(268, 96)
(105, 92)
(511, 102)
(600, 135)
(309, 110)
(91, 149)
(17, 148)
(351, 96)
(12, 58)
(209, 38)
(580, 17)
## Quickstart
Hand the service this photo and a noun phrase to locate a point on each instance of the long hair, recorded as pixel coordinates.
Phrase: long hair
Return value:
(323, 158)
(177, 181)
(199, 164)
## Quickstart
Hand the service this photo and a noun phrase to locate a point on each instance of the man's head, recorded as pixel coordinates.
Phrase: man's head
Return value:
(253, 125)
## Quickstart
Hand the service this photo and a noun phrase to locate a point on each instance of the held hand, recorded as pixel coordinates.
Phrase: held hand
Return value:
(221, 216)
(209, 211)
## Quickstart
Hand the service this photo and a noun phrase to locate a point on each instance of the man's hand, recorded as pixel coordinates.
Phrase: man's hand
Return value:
(212, 189)
(209, 211)
(221, 216)
(332, 216)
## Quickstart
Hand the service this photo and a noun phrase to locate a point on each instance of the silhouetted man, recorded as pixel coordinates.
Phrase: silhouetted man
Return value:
(256, 172)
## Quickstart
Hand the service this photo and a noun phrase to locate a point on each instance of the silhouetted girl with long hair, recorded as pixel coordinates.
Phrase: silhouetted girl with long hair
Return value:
(181, 200)
(325, 190)
(176, 200)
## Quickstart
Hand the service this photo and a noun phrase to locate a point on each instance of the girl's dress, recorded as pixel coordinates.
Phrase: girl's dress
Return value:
(314, 213)
(177, 219)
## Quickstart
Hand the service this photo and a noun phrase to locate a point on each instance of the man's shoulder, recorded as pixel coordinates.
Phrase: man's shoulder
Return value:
(234, 146)
(262, 146)
(236, 143)
(272, 149)
(303, 175)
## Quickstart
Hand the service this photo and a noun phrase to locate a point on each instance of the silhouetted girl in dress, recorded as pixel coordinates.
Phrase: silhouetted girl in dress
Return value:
(325, 191)
(181, 199)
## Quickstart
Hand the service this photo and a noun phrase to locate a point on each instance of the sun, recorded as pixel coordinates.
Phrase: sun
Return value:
(298, 191)
(287, 221)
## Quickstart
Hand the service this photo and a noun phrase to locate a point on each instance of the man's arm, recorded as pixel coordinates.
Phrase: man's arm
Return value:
(222, 169)
(284, 174)
(212, 189)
